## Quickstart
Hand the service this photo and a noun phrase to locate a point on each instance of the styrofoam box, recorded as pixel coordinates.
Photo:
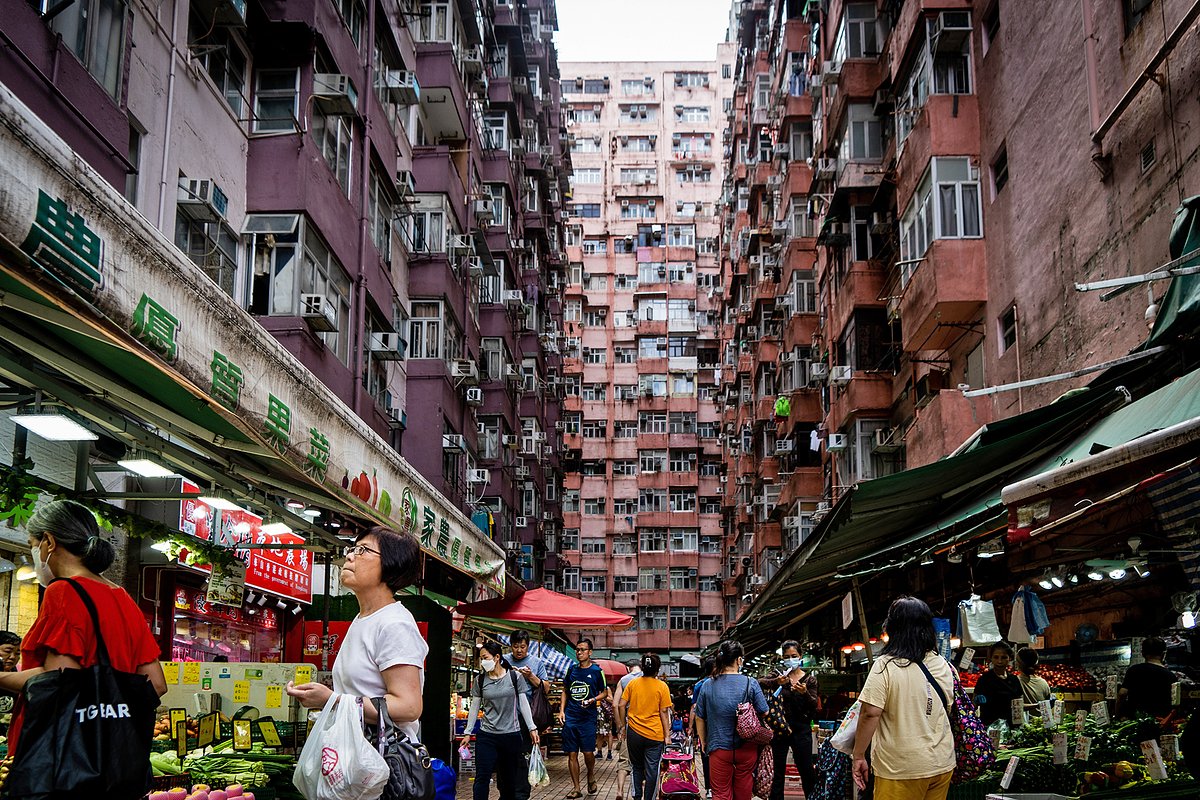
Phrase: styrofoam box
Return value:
(1029, 796)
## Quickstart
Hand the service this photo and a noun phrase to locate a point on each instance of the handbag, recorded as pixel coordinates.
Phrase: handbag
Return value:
(411, 774)
(749, 727)
(974, 752)
(539, 708)
(776, 717)
(86, 732)
(833, 769)
(764, 772)
(843, 738)
(337, 763)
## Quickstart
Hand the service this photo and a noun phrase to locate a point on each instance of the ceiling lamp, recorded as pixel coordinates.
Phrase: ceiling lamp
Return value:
(220, 501)
(1117, 574)
(26, 574)
(311, 513)
(55, 425)
(1046, 582)
(991, 549)
(1096, 575)
(276, 527)
(139, 462)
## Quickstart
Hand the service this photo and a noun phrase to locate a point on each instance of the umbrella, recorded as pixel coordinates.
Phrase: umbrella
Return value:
(613, 670)
(548, 609)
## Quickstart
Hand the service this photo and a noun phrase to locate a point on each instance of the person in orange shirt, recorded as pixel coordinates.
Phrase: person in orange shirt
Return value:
(645, 714)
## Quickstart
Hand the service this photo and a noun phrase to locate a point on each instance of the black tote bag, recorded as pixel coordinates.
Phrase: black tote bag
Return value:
(86, 732)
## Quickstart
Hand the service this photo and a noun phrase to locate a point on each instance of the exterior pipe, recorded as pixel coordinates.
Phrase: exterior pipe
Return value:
(162, 178)
(1089, 58)
(358, 318)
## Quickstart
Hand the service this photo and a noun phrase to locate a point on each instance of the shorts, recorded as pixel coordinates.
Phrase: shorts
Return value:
(578, 737)
(623, 756)
(932, 788)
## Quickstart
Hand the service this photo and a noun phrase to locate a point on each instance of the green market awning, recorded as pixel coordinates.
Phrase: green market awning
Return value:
(104, 296)
(1179, 311)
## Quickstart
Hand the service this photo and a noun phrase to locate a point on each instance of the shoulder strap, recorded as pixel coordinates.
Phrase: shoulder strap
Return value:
(929, 677)
(101, 650)
(512, 673)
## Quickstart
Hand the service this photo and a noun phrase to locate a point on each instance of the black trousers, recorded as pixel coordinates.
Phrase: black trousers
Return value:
(502, 753)
(800, 743)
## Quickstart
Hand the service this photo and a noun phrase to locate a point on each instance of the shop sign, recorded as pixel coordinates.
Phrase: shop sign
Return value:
(154, 301)
(196, 602)
(285, 572)
(227, 584)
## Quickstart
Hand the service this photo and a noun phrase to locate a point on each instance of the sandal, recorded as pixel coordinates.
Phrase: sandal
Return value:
(573, 795)
(593, 788)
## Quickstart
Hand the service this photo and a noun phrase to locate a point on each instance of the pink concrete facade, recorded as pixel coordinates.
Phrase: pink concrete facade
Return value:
(641, 504)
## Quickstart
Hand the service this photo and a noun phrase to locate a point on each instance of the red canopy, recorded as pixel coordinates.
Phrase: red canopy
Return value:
(551, 609)
(613, 670)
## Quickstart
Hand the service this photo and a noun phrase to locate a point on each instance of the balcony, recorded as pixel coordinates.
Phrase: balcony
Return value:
(942, 425)
(867, 392)
(858, 175)
(860, 288)
(945, 125)
(805, 483)
(945, 292)
(443, 96)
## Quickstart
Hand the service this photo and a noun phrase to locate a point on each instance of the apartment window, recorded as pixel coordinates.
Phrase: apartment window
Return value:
(1133, 11)
(952, 72)
(594, 355)
(1000, 171)
(587, 176)
(639, 175)
(593, 584)
(586, 210)
(685, 619)
(652, 540)
(636, 88)
(801, 141)
(681, 235)
(693, 175)
(726, 71)
(652, 460)
(595, 392)
(681, 346)
(638, 144)
(625, 429)
(710, 545)
(595, 247)
(762, 92)
(625, 469)
(276, 94)
(212, 246)
(654, 618)
(652, 272)
(570, 579)
(652, 346)
(638, 113)
(680, 462)
(427, 231)
(865, 138)
(595, 86)
(593, 506)
(682, 422)
(953, 185)
(334, 136)
(692, 80)
(623, 354)
(218, 52)
(353, 14)
(683, 579)
(625, 545)
(586, 144)
(684, 540)
(652, 501)
(380, 213)
(595, 428)
(652, 422)
(319, 272)
(711, 505)
(862, 37)
(593, 546)
(437, 21)
(625, 584)
(692, 114)
(991, 27)
(495, 131)
(634, 209)
(95, 31)
(712, 622)
(683, 500)
(570, 536)
(804, 292)
(1008, 329)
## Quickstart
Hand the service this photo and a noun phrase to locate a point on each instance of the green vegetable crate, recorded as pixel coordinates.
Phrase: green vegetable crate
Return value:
(162, 783)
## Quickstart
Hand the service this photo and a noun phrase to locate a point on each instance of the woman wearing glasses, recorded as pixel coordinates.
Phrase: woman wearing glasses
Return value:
(383, 654)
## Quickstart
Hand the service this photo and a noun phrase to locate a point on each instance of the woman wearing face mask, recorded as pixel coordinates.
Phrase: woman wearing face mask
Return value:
(499, 747)
(798, 690)
(66, 543)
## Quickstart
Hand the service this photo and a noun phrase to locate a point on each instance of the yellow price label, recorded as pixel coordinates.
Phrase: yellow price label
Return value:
(178, 715)
(208, 730)
(191, 673)
(170, 672)
(181, 738)
(304, 673)
(270, 734)
(275, 696)
(241, 691)
(241, 734)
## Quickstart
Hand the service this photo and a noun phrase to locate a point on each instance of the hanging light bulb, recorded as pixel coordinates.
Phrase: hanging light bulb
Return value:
(1073, 577)
(1045, 581)
(1117, 574)
(1096, 575)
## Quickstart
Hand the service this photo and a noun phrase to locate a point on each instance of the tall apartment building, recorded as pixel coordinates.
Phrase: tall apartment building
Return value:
(913, 192)
(379, 184)
(642, 528)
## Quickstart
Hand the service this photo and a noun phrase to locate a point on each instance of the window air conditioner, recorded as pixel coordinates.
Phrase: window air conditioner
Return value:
(464, 369)
(396, 417)
(320, 314)
(201, 200)
(841, 375)
(514, 298)
(401, 86)
(511, 441)
(548, 516)
(521, 522)
(478, 475)
(818, 372)
(887, 440)
(474, 396)
(475, 266)
(454, 441)
(335, 94)
(483, 212)
(387, 346)
(522, 472)
(783, 446)
(406, 183)
(792, 523)
(837, 442)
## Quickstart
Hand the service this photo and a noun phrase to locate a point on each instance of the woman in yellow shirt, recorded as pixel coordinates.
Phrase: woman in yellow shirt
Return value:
(645, 716)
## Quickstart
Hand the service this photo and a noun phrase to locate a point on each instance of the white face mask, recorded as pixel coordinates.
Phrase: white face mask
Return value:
(44, 575)
(487, 664)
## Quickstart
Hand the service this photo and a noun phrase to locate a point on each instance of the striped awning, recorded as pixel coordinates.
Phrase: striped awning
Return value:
(1175, 497)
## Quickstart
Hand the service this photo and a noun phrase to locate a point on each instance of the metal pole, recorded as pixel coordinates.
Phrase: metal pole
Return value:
(325, 614)
(862, 620)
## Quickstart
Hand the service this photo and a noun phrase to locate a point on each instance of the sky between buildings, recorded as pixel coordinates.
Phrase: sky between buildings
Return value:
(640, 30)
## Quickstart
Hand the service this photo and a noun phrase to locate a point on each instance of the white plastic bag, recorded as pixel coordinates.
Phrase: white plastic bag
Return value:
(843, 738)
(337, 762)
(538, 775)
(977, 621)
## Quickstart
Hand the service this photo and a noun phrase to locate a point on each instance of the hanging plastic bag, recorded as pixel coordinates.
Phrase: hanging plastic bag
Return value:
(538, 775)
(337, 762)
(977, 620)
(843, 737)
(1018, 633)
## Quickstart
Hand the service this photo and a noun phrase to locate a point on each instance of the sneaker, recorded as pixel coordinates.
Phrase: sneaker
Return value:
(708, 795)
(609, 756)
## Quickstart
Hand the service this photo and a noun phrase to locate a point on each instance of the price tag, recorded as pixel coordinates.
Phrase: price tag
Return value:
(275, 696)
(1168, 745)
(304, 674)
(269, 733)
(170, 672)
(967, 656)
(1056, 713)
(1083, 748)
(1111, 684)
(1154, 760)
(1047, 715)
(191, 673)
(1060, 748)
(994, 734)
(1176, 693)
(181, 739)
(178, 715)
(208, 730)
(1100, 712)
(816, 743)
(1080, 720)
(1018, 712)
(1009, 772)
(241, 691)
(241, 734)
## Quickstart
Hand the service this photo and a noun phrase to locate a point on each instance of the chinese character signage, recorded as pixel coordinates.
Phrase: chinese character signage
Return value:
(153, 301)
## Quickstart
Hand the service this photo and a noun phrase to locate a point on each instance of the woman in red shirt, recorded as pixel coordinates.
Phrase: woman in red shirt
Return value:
(66, 543)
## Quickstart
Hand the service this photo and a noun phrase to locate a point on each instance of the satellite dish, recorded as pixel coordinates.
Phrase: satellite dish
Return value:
(1087, 633)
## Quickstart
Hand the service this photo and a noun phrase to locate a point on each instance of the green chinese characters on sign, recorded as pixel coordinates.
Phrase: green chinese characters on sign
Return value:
(226, 380)
(428, 525)
(62, 244)
(443, 542)
(467, 556)
(455, 549)
(278, 424)
(408, 510)
(318, 454)
(156, 327)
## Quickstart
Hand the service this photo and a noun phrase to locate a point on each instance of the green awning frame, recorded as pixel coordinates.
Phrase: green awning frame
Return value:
(1179, 311)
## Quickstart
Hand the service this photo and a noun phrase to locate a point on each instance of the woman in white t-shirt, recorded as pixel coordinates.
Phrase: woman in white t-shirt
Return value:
(383, 654)
(904, 721)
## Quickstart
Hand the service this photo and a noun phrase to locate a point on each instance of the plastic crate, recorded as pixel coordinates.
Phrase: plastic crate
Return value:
(971, 790)
(161, 783)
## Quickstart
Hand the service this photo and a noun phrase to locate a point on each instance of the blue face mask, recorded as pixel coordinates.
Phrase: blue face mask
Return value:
(791, 663)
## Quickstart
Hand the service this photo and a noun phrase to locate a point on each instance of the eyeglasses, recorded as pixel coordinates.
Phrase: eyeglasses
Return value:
(358, 550)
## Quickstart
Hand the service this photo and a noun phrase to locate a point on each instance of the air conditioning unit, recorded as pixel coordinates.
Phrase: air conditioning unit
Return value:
(837, 442)
(783, 446)
(478, 475)
(475, 266)
(483, 212)
(815, 81)
(396, 417)
(887, 440)
(950, 30)
(516, 147)
(401, 86)
(471, 60)
(522, 472)
(927, 386)
(514, 298)
(841, 375)
(521, 522)
(792, 523)
(201, 200)
(818, 372)
(387, 346)
(464, 369)
(781, 150)
(511, 441)
(406, 183)
(454, 441)
(460, 246)
(548, 516)
(826, 167)
(511, 373)
(756, 580)
(474, 396)
(320, 314)
(520, 85)
(335, 94)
